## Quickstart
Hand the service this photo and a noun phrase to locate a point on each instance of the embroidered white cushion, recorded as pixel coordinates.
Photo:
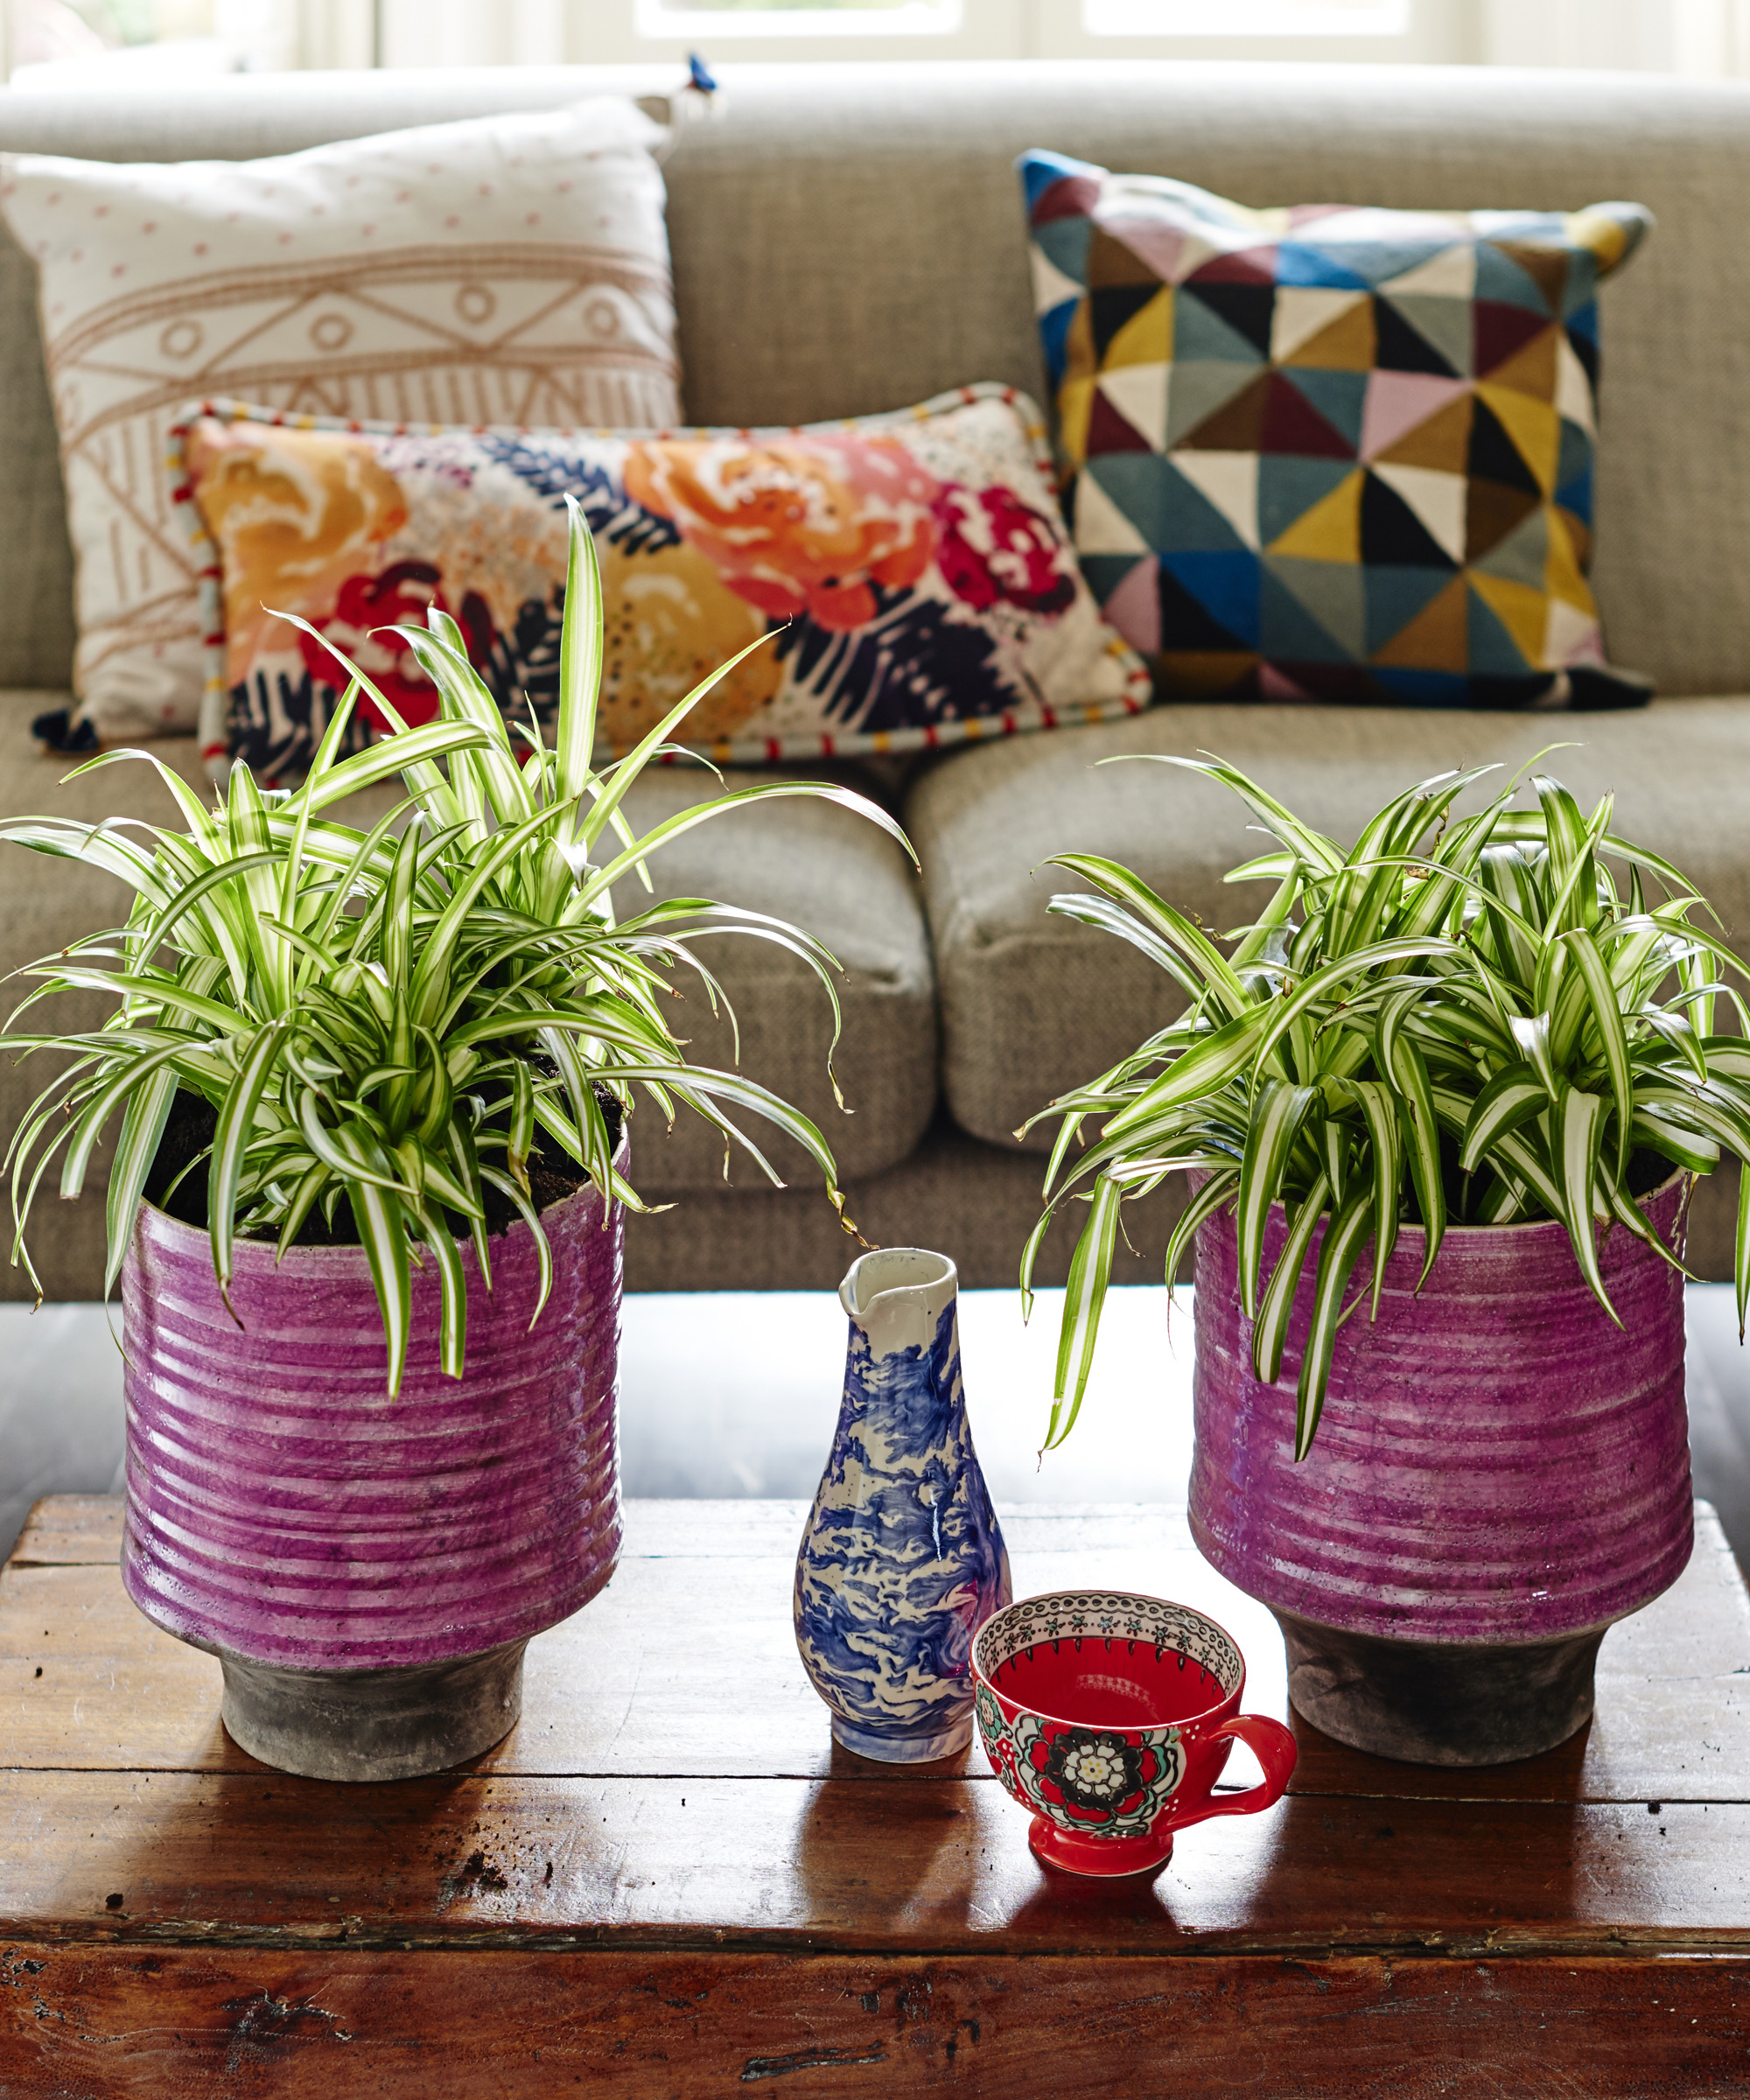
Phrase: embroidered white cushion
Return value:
(506, 269)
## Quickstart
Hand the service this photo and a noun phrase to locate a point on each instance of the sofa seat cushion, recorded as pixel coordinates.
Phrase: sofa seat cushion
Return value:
(45, 903)
(1033, 1003)
(847, 883)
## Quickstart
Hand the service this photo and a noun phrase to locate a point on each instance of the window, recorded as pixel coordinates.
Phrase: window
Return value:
(41, 39)
(735, 18)
(1248, 17)
(1404, 30)
(46, 41)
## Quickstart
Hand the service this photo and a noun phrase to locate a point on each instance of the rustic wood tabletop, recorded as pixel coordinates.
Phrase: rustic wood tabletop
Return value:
(666, 1880)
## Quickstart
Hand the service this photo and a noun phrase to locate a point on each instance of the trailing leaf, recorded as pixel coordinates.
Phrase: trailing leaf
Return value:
(1280, 1111)
(1269, 1332)
(1380, 1109)
(1343, 1243)
(1090, 1270)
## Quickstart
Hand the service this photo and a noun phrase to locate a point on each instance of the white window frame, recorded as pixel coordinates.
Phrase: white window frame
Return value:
(611, 32)
(1247, 18)
(1401, 31)
(653, 21)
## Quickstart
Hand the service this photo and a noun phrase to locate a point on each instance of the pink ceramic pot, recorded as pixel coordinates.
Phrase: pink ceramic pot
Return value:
(1500, 1473)
(368, 1570)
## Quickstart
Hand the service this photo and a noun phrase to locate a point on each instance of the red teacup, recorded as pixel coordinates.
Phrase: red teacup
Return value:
(1111, 1716)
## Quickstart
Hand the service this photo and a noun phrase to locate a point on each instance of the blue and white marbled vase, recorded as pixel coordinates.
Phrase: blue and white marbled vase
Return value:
(902, 1561)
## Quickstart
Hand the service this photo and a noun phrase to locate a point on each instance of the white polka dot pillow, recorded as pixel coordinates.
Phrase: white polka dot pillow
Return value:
(504, 269)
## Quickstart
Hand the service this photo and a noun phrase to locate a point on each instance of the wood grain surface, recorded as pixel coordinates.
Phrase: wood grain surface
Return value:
(668, 1881)
(687, 1663)
(72, 1530)
(842, 1864)
(430, 2027)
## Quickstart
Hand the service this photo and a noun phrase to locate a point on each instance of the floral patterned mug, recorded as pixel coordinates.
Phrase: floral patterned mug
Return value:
(1111, 1716)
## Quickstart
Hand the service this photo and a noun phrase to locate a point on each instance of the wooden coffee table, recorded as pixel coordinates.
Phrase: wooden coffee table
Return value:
(667, 1882)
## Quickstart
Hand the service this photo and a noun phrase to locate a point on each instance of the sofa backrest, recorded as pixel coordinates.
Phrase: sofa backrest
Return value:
(849, 239)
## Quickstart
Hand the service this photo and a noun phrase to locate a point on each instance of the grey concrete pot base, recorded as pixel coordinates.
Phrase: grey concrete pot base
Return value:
(371, 1724)
(1440, 1702)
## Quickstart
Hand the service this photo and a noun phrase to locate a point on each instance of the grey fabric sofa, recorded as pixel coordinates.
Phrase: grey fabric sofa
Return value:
(849, 239)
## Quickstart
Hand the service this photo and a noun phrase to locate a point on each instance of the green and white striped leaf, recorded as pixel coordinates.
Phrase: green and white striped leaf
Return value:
(1210, 969)
(1531, 1032)
(1308, 993)
(1676, 1031)
(1090, 1270)
(1318, 851)
(141, 1127)
(1334, 1139)
(1270, 1331)
(1277, 1113)
(1229, 1050)
(1216, 1191)
(236, 1126)
(1113, 919)
(1408, 1074)
(1345, 1238)
(1514, 1097)
(1685, 1148)
(137, 1061)
(1579, 1126)
(1265, 940)
(580, 663)
(1379, 1108)
(1740, 1263)
(1564, 830)
(543, 1249)
(381, 1222)
(602, 879)
(1606, 1020)
(1526, 1157)
(1509, 910)
(452, 1316)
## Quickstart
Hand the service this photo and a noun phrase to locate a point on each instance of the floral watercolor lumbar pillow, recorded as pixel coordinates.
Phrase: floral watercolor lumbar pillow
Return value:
(912, 571)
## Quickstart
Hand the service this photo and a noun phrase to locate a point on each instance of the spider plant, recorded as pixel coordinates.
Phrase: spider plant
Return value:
(1466, 1020)
(388, 1023)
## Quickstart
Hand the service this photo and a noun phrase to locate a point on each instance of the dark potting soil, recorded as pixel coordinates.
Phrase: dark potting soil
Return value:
(552, 1176)
(1648, 1169)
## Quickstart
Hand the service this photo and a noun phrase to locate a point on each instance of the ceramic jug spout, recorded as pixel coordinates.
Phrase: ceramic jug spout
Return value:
(897, 1295)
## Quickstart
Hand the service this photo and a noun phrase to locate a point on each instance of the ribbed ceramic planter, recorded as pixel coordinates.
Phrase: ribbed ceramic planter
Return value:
(1500, 1473)
(368, 1570)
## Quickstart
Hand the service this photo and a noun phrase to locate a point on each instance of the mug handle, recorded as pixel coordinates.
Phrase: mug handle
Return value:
(1274, 1748)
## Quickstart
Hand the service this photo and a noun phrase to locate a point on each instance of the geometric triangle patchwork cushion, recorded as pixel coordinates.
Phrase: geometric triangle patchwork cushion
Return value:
(1328, 453)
